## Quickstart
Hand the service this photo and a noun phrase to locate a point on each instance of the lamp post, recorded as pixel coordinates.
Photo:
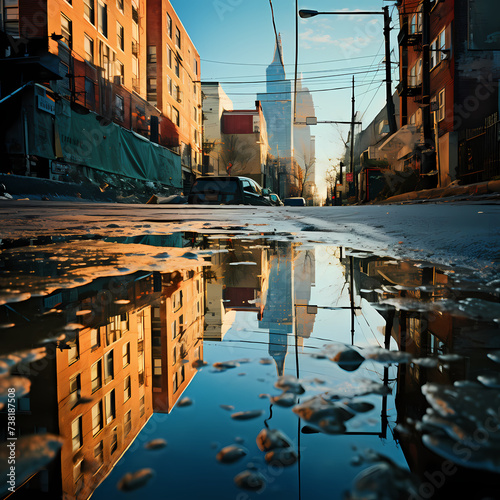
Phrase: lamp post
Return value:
(305, 14)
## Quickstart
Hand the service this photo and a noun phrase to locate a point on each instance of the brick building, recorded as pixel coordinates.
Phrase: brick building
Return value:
(449, 71)
(71, 58)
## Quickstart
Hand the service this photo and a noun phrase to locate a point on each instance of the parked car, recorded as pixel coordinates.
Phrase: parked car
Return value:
(295, 201)
(227, 191)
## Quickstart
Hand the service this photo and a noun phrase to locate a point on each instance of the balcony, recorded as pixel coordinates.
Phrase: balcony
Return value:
(135, 48)
(136, 85)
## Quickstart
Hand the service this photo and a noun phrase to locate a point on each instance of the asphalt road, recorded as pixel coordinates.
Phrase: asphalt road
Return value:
(448, 234)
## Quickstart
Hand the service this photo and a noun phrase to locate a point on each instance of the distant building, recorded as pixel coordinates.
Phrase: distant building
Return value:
(304, 143)
(244, 145)
(277, 107)
(215, 102)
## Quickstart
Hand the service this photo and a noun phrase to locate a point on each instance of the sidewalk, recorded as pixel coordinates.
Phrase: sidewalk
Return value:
(448, 193)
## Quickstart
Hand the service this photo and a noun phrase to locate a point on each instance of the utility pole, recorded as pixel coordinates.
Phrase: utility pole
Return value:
(352, 140)
(388, 72)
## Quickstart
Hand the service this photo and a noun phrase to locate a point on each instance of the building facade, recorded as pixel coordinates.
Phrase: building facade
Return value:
(173, 81)
(62, 60)
(449, 71)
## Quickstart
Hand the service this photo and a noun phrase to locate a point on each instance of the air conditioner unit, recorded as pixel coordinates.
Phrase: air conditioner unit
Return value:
(118, 80)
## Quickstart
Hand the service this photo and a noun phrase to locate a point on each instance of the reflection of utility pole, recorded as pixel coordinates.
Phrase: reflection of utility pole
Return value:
(352, 140)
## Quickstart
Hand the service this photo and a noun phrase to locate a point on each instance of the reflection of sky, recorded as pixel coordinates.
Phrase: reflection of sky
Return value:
(187, 467)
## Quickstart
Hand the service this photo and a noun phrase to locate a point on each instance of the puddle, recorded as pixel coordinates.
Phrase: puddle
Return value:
(200, 366)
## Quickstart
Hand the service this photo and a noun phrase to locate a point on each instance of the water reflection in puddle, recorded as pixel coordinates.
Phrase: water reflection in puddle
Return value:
(196, 367)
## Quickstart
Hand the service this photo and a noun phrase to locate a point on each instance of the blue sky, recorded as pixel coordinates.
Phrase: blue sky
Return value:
(235, 39)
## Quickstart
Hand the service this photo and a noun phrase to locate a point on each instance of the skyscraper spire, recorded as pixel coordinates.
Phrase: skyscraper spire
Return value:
(278, 52)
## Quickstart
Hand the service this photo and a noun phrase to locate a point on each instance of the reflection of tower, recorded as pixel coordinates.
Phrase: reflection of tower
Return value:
(278, 308)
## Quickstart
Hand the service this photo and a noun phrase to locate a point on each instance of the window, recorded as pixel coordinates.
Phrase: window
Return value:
(74, 389)
(438, 46)
(126, 354)
(176, 117)
(120, 36)
(97, 422)
(103, 19)
(11, 17)
(127, 389)
(114, 441)
(169, 26)
(415, 74)
(169, 57)
(98, 454)
(174, 355)
(141, 406)
(78, 477)
(95, 337)
(174, 327)
(194, 90)
(141, 368)
(106, 62)
(135, 14)
(195, 71)
(108, 367)
(177, 67)
(170, 86)
(151, 53)
(109, 406)
(119, 110)
(96, 376)
(195, 114)
(127, 423)
(89, 91)
(177, 38)
(88, 11)
(157, 366)
(442, 106)
(120, 71)
(175, 383)
(67, 30)
(177, 300)
(119, 4)
(76, 433)
(74, 351)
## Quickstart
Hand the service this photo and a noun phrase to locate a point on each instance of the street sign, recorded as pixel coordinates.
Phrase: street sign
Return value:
(349, 177)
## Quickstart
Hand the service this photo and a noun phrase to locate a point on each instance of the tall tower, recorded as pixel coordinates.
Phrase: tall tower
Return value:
(277, 108)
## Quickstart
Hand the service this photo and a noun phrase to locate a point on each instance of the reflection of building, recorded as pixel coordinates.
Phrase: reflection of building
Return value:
(285, 312)
(234, 287)
(177, 336)
(98, 387)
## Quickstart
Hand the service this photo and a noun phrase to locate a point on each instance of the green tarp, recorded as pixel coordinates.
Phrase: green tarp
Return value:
(86, 139)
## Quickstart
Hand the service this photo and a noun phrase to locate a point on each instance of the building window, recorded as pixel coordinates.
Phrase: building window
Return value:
(177, 67)
(90, 96)
(109, 406)
(88, 11)
(442, 106)
(437, 48)
(11, 17)
(103, 19)
(76, 433)
(415, 78)
(114, 441)
(74, 389)
(169, 57)
(67, 30)
(177, 38)
(120, 36)
(141, 406)
(195, 114)
(95, 338)
(127, 423)
(97, 422)
(127, 389)
(78, 477)
(107, 58)
(120, 71)
(126, 354)
(108, 367)
(98, 454)
(119, 110)
(174, 323)
(195, 70)
(141, 368)
(170, 86)
(175, 384)
(74, 351)
(96, 376)
(151, 53)
(157, 366)
(135, 14)
(169, 26)
(177, 301)
(119, 4)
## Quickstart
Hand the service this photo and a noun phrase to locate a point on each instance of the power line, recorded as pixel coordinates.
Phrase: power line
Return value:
(301, 64)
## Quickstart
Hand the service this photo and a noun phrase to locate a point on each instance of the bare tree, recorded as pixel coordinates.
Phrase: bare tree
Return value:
(235, 155)
(303, 175)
